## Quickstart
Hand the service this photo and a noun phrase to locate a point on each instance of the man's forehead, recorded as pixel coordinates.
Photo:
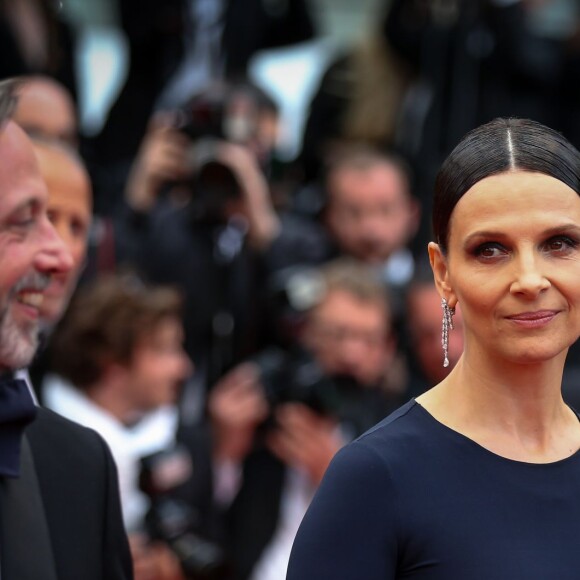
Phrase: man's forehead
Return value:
(65, 176)
(17, 161)
(381, 179)
(14, 143)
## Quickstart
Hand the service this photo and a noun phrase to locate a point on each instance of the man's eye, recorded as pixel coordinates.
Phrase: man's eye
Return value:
(25, 217)
(23, 221)
(78, 229)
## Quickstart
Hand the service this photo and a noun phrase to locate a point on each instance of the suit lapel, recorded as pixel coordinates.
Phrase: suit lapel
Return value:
(25, 547)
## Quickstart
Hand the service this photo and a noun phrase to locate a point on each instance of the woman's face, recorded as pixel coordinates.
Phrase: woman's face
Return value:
(513, 263)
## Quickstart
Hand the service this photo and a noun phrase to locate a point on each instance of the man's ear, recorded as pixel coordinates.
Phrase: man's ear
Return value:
(441, 274)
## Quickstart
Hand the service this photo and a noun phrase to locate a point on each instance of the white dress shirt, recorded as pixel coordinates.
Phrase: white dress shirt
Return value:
(153, 433)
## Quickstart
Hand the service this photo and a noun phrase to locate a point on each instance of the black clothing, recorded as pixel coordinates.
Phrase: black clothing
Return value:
(60, 44)
(414, 499)
(17, 410)
(219, 274)
(72, 476)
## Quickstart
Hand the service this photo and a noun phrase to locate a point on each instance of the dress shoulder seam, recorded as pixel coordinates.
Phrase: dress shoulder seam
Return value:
(390, 419)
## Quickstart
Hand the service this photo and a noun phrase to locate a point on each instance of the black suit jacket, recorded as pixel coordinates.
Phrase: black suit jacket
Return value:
(78, 491)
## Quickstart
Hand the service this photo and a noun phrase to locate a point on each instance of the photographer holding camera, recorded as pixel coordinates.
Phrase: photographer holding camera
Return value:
(199, 215)
(281, 417)
(119, 363)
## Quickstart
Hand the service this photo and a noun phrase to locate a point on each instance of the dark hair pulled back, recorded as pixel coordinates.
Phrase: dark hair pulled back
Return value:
(504, 144)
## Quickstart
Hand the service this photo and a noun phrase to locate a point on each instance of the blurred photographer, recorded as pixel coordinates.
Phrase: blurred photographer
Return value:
(179, 47)
(298, 408)
(180, 142)
(200, 216)
(119, 365)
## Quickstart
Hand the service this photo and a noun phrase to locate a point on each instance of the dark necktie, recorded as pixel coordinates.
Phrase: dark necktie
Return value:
(17, 409)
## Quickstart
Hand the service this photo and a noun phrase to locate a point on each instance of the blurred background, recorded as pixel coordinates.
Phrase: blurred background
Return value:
(245, 187)
(290, 74)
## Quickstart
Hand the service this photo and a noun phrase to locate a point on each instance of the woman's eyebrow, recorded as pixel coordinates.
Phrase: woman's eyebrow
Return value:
(571, 227)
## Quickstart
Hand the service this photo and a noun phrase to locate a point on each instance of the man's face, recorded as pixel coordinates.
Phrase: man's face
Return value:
(158, 367)
(30, 250)
(350, 336)
(370, 214)
(46, 109)
(69, 210)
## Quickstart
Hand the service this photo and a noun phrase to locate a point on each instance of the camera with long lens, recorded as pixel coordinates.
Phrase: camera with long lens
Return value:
(173, 521)
(219, 114)
(296, 377)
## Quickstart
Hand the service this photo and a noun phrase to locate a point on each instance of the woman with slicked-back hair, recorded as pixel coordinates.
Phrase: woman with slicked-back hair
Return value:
(479, 477)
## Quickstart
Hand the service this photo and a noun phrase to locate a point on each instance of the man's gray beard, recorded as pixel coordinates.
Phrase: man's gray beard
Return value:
(17, 345)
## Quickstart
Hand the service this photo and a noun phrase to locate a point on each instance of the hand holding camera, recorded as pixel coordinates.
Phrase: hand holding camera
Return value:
(162, 158)
(237, 407)
(305, 440)
(153, 560)
(256, 206)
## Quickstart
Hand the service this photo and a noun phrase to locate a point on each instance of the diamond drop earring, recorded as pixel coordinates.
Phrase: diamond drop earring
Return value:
(447, 326)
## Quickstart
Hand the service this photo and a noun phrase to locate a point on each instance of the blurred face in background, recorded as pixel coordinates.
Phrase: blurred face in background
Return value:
(370, 212)
(158, 367)
(69, 210)
(46, 109)
(350, 336)
(424, 322)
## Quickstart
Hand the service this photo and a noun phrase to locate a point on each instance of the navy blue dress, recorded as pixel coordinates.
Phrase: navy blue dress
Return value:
(412, 498)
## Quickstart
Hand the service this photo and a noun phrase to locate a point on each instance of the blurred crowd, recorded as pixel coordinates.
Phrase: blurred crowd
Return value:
(232, 319)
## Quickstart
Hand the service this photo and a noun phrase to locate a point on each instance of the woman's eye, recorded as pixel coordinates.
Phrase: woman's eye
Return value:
(490, 251)
(561, 244)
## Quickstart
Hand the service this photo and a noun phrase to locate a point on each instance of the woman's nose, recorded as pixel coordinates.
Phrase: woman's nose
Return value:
(530, 279)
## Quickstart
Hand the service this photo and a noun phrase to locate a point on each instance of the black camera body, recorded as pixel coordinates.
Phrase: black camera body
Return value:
(173, 521)
(219, 114)
(203, 120)
(296, 377)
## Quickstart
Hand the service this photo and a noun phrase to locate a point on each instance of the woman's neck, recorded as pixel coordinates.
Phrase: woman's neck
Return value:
(516, 411)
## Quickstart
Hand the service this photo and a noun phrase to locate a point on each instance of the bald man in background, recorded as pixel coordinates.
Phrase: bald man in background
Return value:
(46, 112)
(69, 210)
